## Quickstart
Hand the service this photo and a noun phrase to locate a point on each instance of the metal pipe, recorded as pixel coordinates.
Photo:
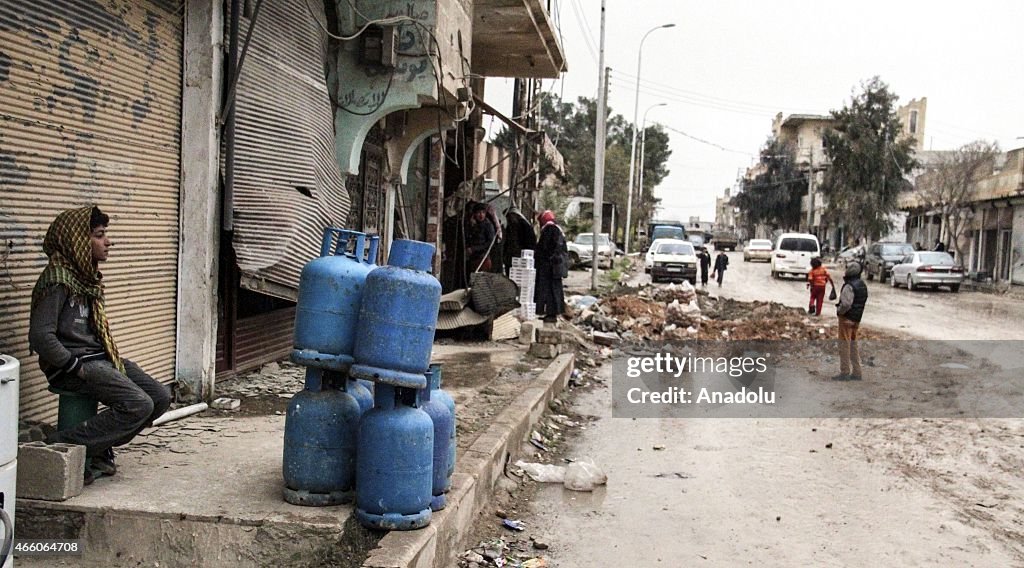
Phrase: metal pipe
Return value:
(180, 413)
(227, 213)
(632, 150)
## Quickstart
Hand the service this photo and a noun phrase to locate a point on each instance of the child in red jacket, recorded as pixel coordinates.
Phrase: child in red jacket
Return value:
(816, 280)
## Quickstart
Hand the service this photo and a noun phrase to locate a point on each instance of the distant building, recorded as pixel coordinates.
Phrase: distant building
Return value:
(725, 213)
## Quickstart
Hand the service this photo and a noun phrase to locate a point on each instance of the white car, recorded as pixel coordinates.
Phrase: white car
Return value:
(581, 250)
(793, 253)
(926, 268)
(649, 256)
(674, 260)
(758, 249)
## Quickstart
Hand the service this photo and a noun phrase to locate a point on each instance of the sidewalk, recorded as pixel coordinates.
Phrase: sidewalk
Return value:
(206, 490)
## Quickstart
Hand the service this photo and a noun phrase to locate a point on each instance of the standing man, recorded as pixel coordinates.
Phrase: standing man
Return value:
(551, 263)
(70, 332)
(481, 238)
(721, 263)
(939, 247)
(705, 266)
(850, 309)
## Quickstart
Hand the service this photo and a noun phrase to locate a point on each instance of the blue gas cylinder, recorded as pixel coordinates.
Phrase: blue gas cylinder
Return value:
(359, 392)
(444, 435)
(437, 393)
(330, 293)
(395, 462)
(320, 433)
(398, 317)
(369, 387)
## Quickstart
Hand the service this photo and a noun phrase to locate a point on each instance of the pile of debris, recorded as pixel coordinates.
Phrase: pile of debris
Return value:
(678, 312)
(499, 552)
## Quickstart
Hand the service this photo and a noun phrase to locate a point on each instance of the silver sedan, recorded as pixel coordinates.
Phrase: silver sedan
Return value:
(924, 268)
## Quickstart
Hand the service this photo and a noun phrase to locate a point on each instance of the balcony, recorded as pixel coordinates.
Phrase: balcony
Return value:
(515, 38)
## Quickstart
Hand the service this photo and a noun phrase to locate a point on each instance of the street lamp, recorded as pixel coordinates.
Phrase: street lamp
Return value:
(643, 141)
(632, 151)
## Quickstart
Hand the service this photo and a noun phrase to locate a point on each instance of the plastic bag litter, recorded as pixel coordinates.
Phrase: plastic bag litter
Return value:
(543, 473)
(582, 302)
(584, 475)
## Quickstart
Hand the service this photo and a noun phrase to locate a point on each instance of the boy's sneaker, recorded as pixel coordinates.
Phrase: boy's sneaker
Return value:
(104, 463)
(89, 476)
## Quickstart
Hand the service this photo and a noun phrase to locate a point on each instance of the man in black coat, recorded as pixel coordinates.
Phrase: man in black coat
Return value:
(721, 263)
(705, 266)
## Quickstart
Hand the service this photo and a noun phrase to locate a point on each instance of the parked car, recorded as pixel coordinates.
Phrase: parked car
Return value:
(581, 250)
(793, 253)
(881, 257)
(649, 255)
(927, 268)
(724, 240)
(758, 249)
(674, 260)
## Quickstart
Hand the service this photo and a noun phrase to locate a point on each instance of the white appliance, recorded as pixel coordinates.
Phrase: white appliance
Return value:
(9, 374)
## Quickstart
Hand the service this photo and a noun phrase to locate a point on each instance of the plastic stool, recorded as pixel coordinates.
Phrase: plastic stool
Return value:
(73, 408)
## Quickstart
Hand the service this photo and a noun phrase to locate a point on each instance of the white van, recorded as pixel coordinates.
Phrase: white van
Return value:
(793, 253)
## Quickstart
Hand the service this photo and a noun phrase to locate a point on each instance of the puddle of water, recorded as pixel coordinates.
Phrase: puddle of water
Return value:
(473, 368)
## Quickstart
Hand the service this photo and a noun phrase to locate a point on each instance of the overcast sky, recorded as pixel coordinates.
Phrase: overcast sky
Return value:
(728, 66)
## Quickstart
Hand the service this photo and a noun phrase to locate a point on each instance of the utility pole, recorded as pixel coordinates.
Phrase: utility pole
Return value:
(602, 100)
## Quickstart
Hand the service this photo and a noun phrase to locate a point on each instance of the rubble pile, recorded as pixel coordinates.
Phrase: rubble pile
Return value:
(678, 312)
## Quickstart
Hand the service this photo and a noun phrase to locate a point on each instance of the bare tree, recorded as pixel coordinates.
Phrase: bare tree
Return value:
(949, 188)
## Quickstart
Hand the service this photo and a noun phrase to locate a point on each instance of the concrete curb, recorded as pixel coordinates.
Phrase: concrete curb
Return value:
(477, 470)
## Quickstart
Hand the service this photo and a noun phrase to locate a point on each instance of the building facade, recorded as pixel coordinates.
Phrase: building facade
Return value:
(220, 171)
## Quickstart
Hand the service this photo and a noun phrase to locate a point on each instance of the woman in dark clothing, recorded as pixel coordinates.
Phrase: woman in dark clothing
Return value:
(550, 263)
(519, 236)
(705, 266)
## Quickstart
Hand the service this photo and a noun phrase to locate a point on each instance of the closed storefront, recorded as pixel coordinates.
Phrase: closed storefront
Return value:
(90, 112)
(287, 186)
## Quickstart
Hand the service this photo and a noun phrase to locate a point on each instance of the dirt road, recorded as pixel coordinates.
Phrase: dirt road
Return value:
(927, 314)
(804, 491)
(793, 492)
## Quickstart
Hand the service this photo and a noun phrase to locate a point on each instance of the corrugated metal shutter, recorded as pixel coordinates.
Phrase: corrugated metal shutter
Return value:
(90, 112)
(287, 183)
(263, 338)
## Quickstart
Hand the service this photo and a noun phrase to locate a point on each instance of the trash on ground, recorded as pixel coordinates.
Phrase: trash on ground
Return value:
(513, 524)
(543, 473)
(584, 475)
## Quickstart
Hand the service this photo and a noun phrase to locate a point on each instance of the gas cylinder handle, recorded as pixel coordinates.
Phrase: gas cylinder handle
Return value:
(371, 255)
(329, 232)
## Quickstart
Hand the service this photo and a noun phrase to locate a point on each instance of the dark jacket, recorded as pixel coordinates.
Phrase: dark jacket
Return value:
(721, 263)
(60, 332)
(705, 260)
(550, 255)
(852, 299)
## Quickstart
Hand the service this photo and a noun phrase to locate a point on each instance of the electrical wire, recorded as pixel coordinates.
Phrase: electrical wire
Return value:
(702, 141)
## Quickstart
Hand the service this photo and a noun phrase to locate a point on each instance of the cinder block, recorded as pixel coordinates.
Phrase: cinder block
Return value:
(528, 332)
(544, 350)
(57, 471)
(550, 336)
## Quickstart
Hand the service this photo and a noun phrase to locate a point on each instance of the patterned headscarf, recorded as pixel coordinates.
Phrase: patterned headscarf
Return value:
(69, 247)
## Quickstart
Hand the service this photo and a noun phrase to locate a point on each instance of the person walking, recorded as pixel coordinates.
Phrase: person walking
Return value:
(721, 263)
(70, 331)
(852, 300)
(705, 266)
(551, 263)
(816, 280)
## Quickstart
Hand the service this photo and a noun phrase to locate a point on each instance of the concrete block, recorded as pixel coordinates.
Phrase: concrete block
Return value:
(550, 336)
(528, 332)
(544, 350)
(57, 471)
(605, 338)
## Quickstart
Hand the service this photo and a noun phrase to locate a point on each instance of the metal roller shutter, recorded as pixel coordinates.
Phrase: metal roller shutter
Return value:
(287, 183)
(90, 112)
